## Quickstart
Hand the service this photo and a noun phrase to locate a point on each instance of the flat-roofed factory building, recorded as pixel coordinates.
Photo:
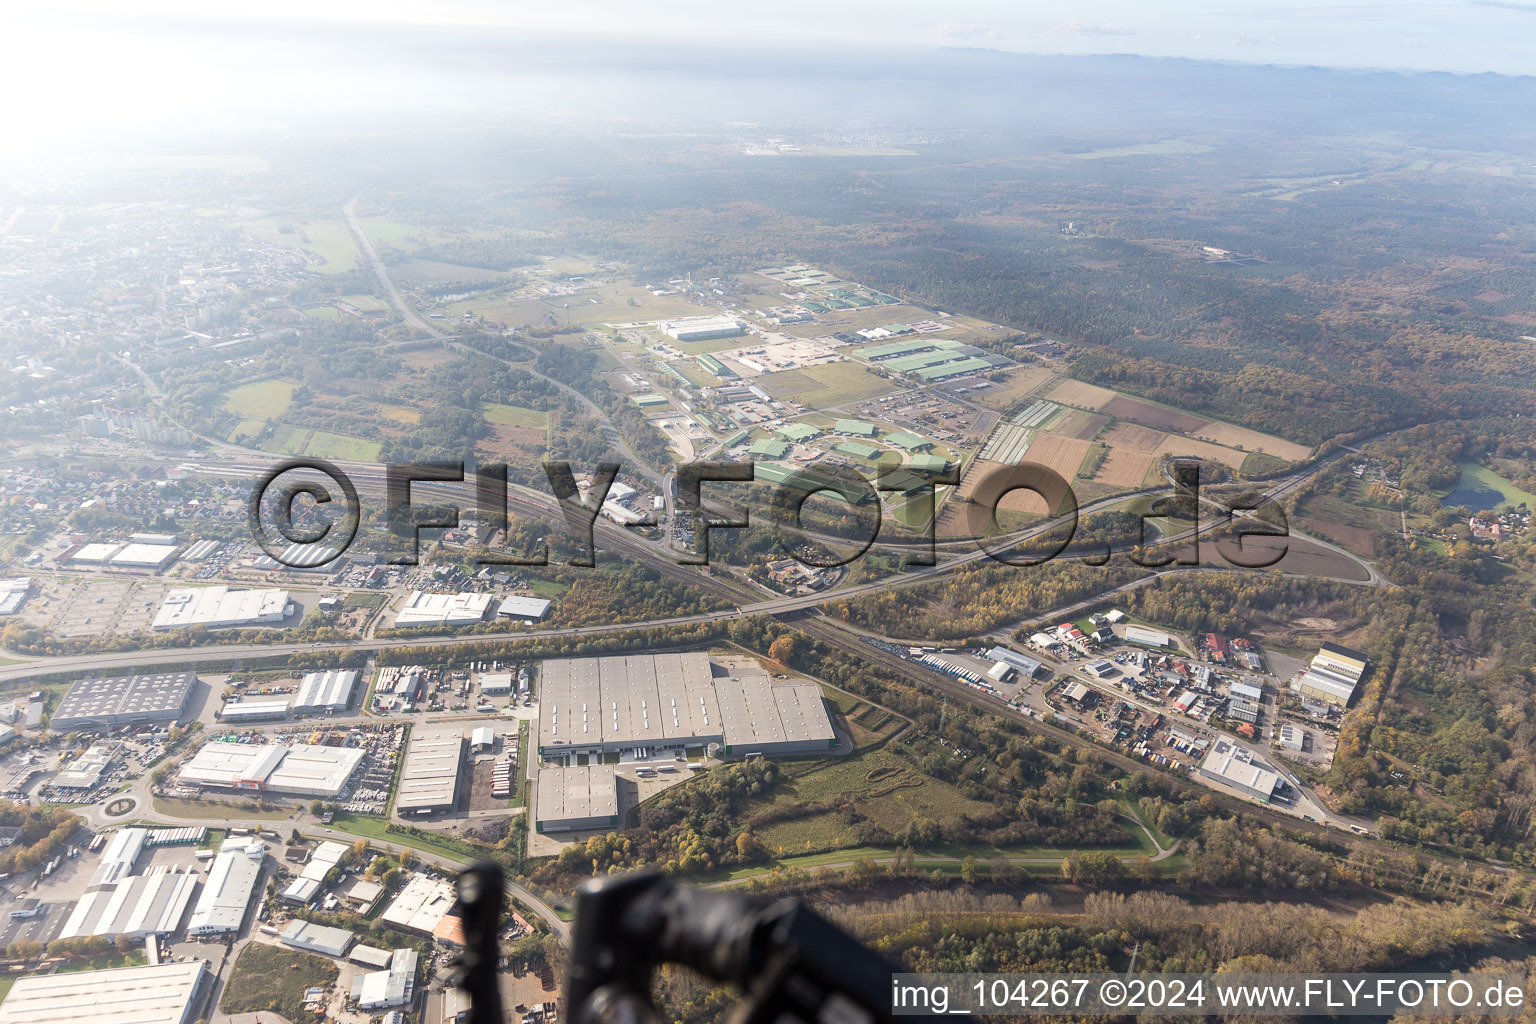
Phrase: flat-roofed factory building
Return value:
(570, 799)
(1234, 766)
(320, 692)
(430, 776)
(108, 702)
(303, 770)
(702, 328)
(1334, 675)
(221, 608)
(148, 994)
(649, 705)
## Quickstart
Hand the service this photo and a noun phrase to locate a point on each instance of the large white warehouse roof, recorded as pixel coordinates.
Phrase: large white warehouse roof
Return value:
(227, 893)
(423, 609)
(149, 994)
(218, 607)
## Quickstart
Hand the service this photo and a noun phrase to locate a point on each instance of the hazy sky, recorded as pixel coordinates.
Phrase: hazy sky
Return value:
(99, 63)
(1448, 35)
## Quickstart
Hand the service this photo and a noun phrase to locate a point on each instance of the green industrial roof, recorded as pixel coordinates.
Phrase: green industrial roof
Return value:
(908, 440)
(858, 449)
(769, 447)
(858, 428)
(735, 439)
(897, 348)
(646, 401)
(807, 479)
(971, 365)
(797, 431)
(928, 463)
(913, 363)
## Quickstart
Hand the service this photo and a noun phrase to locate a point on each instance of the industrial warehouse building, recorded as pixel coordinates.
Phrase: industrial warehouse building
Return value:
(316, 938)
(576, 798)
(423, 609)
(136, 906)
(1234, 766)
(232, 880)
(310, 880)
(379, 990)
(531, 609)
(149, 994)
(302, 770)
(702, 328)
(239, 711)
(424, 906)
(1147, 637)
(144, 556)
(429, 778)
(1334, 675)
(649, 705)
(221, 608)
(320, 692)
(108, 702)
(495, 683)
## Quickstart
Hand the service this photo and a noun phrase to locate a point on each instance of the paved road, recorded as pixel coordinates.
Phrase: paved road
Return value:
(946, 565)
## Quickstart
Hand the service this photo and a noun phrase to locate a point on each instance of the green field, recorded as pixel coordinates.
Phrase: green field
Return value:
(246, 430)
(324, 313)
(341, 446)
(364, 302)
(260, 400)
(328, 239)
(287, 440)
(821, 387)
(377, 829)
(176, 807)
(321, 443)
(437, 272)
(513, 415)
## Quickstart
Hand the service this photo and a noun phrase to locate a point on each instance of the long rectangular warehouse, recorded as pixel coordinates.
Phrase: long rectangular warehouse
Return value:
(112, 701)
(300, 770)
(429, 779)
(325, 691)
(576, 798)
(221, 608)
(149, 994)
(656, 705)
(139, 905)
(226, 896)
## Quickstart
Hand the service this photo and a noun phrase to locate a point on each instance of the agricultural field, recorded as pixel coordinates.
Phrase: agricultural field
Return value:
(825, 386)
(1161, 417)
(1084, 396)
(328, 241)
(342, 447)
(1022, 383)
(260, 400)
(1076, 423)
(1125, 468)
(418, 271)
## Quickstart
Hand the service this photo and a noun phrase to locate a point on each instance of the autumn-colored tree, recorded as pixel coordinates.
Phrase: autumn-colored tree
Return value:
(782, 649)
